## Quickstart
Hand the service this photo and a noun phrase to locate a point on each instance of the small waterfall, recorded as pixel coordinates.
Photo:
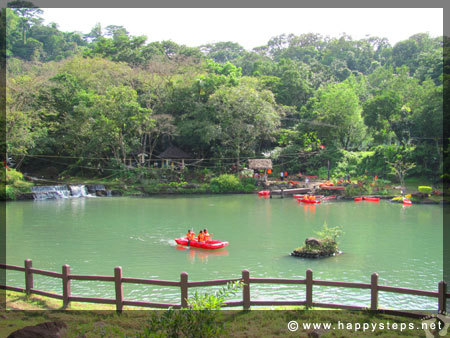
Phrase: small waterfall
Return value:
(45, 192)
(50, 192)
(78, 191)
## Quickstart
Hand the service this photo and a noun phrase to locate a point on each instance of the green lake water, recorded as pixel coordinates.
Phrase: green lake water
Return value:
(94, 235)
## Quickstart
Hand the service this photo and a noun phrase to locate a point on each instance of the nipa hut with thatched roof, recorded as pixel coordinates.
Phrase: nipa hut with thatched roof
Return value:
(173, 153)
(261, 164)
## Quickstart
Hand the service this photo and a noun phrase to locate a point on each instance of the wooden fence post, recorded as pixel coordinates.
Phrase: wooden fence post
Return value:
(184, 289)
(246, 289)
(28, 276)
(374, 292)
(442, 300)
(119, 289)
(66, 285)
(309, 288)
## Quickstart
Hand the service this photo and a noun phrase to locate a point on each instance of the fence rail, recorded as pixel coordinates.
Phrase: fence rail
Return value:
(184, 286)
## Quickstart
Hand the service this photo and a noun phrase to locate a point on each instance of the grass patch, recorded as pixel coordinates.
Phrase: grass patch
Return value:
(82, 320)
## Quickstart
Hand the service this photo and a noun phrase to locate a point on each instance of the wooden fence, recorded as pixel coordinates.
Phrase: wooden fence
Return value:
(184, 286)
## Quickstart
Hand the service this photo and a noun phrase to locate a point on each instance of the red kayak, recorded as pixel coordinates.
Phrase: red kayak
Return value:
(358, 199)
(307, 201)
(407, 202)
(371, 199)
(264, 193)
(204, 245)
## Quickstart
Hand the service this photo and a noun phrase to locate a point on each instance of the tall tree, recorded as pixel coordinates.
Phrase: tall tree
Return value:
(245, 116)
(29, 14)
(338, 116)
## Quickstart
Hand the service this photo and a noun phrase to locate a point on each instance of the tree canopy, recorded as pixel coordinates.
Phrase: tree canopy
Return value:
(100, 99)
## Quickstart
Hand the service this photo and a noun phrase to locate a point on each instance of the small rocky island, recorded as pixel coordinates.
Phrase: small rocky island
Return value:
(324, 246)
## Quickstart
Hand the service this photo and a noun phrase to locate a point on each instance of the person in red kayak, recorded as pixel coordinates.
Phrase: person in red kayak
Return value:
(207, 235)
(201, 236)
(190, 236)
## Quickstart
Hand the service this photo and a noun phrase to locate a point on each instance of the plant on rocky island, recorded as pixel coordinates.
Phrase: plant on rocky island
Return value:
(325, 244)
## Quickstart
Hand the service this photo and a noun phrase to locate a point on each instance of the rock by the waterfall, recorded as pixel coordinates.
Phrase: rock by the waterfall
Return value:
(100, 193)
(25, 196)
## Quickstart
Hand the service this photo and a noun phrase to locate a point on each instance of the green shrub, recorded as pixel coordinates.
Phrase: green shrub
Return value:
(225, 183)
(202, 319)
(13, 176)
(248, 180)
(425, 189)
(352, 190)
(14, 184)
(177, 185)
(248, 184)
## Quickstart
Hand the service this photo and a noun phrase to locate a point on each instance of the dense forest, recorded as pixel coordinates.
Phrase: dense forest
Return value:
(88, 104)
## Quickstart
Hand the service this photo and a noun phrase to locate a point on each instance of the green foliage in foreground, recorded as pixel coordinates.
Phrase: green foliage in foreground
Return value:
(131, 323)
(201, 320)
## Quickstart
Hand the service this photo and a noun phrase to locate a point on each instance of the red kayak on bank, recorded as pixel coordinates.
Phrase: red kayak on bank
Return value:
(264, 193)
(371, 199)
(407, 202)
(358, 199)
(204, 245)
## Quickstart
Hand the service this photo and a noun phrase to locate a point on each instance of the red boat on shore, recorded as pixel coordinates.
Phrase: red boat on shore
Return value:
(358, 199)
(371, 199)
(204, 245)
